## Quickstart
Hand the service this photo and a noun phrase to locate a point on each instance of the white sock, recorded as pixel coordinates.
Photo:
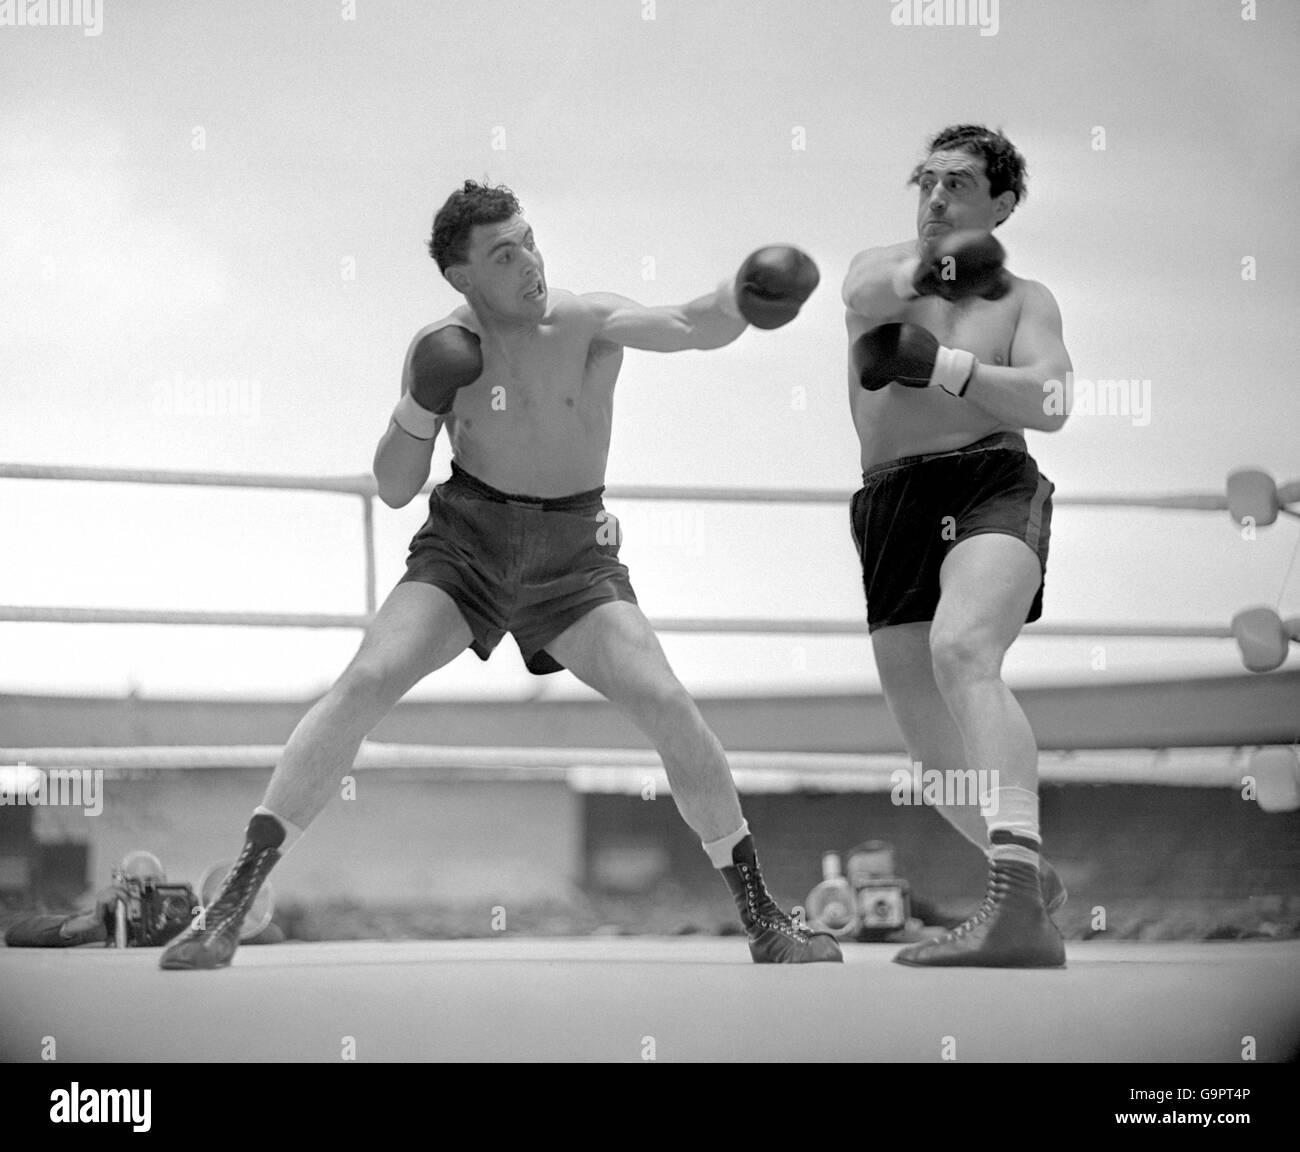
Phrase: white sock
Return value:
(720, 850)
(1016, 814)
(291, 831)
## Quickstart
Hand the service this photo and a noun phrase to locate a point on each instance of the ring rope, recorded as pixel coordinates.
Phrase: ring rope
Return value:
(364, 485)
(590, 768)
(54, 614)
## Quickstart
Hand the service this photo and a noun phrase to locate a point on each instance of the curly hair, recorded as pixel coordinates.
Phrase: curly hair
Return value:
(468, 205)
(1003, 165)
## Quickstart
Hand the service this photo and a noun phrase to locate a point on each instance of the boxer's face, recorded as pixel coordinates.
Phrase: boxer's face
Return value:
(953, 193)
(505, 270)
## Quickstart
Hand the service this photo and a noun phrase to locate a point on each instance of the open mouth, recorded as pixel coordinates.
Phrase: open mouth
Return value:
(536, 293)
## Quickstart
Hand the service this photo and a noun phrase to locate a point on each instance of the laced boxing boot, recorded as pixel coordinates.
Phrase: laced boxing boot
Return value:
(1054, 893)
(213, 945)
(1011, 929)
(774, 937)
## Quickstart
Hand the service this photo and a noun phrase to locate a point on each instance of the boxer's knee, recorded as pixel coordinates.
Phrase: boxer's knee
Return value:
(365, 688)
(662, 706)
(672, 706)
(963, 657)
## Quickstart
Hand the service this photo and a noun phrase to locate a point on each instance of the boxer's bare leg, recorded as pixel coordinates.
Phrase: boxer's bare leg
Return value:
(932, 739)
(988, 583)
(930, 735)
(418, 629)
(614, 650)
(943, 682)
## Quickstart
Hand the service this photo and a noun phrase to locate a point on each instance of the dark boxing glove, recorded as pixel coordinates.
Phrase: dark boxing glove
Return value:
(957, 266)
(772, 286)
(911, 356)
(443, 362)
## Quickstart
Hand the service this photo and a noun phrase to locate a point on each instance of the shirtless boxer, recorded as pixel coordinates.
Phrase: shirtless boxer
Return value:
(517, 540)
(948, 358)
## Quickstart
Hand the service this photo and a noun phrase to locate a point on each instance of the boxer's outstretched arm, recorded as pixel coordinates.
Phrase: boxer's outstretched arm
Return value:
(772, 285)
(1020, 394)
(705, 322)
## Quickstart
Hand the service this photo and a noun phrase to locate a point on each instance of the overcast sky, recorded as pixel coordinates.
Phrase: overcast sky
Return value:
(205, 194)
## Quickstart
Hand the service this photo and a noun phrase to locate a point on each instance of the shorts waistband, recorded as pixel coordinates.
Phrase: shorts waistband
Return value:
(578, 502)
(1011, 440)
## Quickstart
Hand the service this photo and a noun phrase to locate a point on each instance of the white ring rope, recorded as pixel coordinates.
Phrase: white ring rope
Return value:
(592, 768)
(364, 485)
(712, 625)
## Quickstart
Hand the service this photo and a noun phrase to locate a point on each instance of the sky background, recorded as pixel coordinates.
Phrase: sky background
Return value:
(204, 194)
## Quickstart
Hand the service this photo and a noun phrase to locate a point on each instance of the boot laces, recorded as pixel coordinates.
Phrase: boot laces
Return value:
(237, 893)
(992, 896)
(764, 912)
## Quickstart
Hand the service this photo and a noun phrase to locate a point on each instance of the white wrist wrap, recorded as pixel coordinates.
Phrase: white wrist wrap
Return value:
(953, 369)
(411, 417)
(903, 277)
(727, 299)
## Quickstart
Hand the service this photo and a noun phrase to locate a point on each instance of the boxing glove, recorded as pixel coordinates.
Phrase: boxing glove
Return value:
(911, 356)
(443, 362)
(957, 266)
(773, 284)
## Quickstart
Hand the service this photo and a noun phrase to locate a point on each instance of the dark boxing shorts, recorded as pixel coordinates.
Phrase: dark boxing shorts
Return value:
(518, 564)
(898, 520)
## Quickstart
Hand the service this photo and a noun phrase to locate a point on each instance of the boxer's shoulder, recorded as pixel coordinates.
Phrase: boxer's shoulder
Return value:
(1034, 300)
(571, 316)
(591, 311)
(462, 317)
(595, 308)
(1031, 289)
(882, 254)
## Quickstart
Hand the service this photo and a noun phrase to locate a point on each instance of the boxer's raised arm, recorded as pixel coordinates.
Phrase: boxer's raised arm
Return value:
(1025, 394)
(701, 323)
(402, 464)
(869, 287)
(965, 263)
(441, 363)
(769, 290)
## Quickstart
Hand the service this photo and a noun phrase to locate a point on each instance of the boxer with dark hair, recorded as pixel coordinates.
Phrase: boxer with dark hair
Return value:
(950, 359)
(517, 540)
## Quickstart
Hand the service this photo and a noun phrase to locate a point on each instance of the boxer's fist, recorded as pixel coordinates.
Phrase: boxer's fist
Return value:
(444, 362)
(963, 264)
(773, 284)
(911, 356)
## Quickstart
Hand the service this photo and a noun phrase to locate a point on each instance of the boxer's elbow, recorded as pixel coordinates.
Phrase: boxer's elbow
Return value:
(1047, 417)
(397, 490)
(703, 331)
(393, 497)
(1053, 402)
(400, 470)
(706, 339)
(389, 490)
